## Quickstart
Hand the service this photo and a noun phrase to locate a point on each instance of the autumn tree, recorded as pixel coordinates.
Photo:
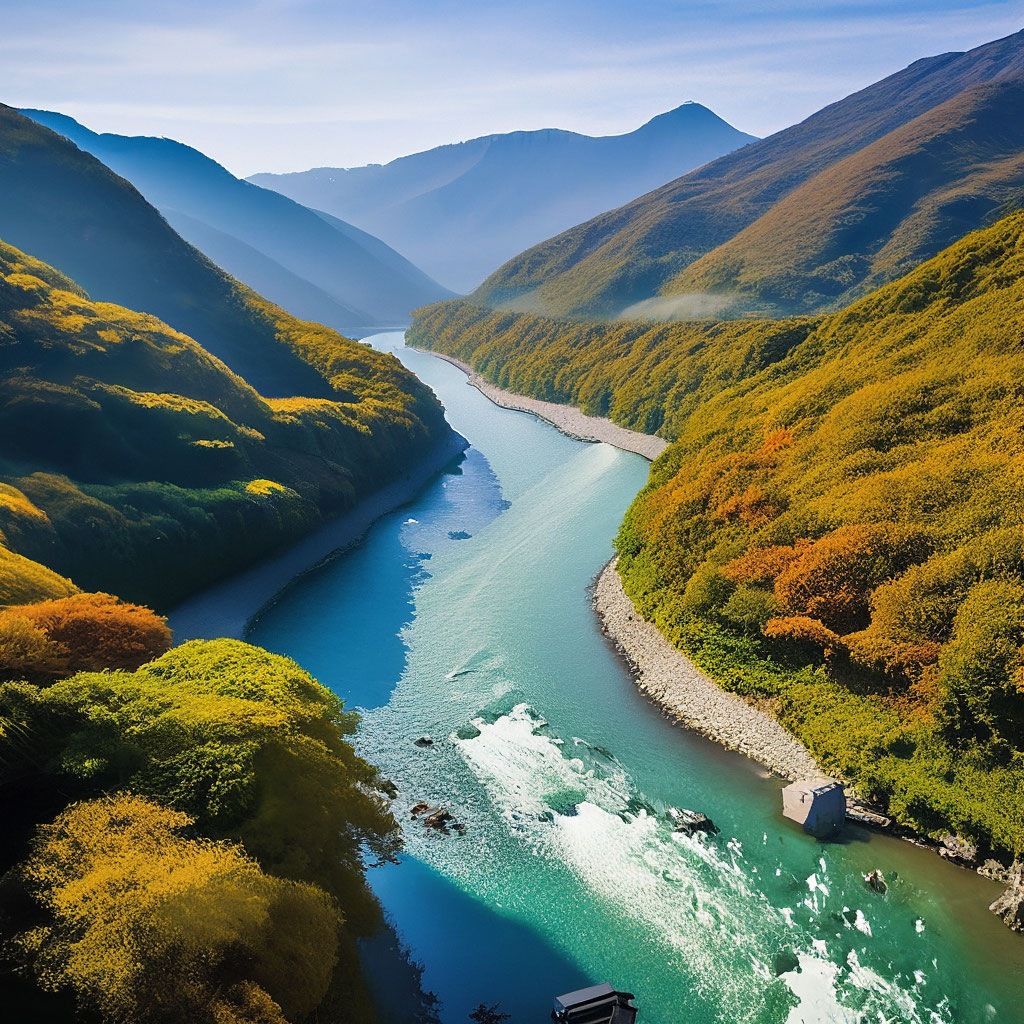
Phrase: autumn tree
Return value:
(26, 652)
(83, 632)
(833, 578)
(912, 616)
(245, 742)
(982, 666)
(144, 923)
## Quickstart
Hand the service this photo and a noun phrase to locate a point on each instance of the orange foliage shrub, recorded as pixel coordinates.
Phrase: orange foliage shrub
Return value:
(833, 578)
(775, 439)
(925, 695)
(871, 648)
(803, 629)
(81, 633)
(26, 652)
(752, 507)
(763, 565)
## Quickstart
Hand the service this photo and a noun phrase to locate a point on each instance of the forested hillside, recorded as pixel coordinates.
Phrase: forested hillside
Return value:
(807, 219)
(208, 802)
(66, 208)
(188, 838)
(836, 528)
(317, 267)
(136, 462)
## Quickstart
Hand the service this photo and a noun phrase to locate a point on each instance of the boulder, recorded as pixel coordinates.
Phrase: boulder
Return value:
(994, 870)
(424, 741)
(1010, 906)
(784, 962)
(438, 819)
(421, 808)
(690, 822)
(959, 849)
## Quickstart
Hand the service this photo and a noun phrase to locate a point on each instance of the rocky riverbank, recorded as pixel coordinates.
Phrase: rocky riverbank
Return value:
(226, 608)
(685, 693)
(672, 681)
(567, 418)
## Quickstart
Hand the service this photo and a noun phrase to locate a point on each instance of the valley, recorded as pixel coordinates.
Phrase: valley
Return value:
(561, 773)
(419, 580)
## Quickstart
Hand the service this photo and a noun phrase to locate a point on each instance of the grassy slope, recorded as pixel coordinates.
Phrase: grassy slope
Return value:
(898, 420)
(879, 213)
(619, 257)
(136, 462)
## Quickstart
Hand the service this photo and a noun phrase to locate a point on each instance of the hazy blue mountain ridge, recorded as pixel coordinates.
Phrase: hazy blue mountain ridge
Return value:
(604, 265)
(461, 210)
(369, 285)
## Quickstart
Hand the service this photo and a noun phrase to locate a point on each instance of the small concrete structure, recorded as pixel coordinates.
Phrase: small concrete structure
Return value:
(599, 1004)
(817, 804)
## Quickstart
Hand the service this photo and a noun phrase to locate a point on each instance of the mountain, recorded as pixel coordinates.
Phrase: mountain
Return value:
(459, 211)
(316, 267)
(835, 529)
(135, 462)
(808, 218)
(68, 209)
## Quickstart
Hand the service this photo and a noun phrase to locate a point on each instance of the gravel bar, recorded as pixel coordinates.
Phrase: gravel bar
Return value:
(673, 682)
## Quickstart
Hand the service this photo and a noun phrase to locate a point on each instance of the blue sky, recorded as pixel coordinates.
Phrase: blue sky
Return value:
(288, 84)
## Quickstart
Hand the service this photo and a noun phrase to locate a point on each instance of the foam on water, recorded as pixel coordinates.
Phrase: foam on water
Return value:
(814, 985)
(563, 838)
(692, 895)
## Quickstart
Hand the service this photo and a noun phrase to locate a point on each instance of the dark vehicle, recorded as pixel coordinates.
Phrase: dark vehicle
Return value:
(599, 1004)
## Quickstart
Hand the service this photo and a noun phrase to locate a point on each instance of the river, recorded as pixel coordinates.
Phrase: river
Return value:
(466, 616)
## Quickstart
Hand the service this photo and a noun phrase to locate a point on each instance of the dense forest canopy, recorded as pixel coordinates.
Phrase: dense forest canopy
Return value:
(837, 524)
(186, 837)
(137, 463)
(210, 828)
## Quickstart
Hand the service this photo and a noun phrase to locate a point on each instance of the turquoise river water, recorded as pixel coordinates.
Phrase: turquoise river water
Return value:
(466, 616)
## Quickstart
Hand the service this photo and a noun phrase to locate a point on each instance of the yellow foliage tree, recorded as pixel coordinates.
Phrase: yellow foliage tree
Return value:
(147, 924)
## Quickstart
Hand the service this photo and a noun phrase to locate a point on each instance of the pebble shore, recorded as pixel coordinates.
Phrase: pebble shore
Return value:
(567, 418)
(661, 671)
(685, 693)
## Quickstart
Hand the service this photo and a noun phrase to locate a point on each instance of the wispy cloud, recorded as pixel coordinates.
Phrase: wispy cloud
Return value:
(285, 84)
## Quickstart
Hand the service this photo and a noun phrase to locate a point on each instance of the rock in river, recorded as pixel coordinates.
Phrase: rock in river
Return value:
(1010, 906)
(436, 818)
(959, 849)
(690, 822)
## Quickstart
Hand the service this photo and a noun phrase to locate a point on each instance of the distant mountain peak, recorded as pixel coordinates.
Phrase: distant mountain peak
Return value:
(689, 113)
(809, 218)
(461, 209)
(324, 270)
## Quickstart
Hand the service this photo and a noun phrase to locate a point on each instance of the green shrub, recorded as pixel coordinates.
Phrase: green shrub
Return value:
(707, 591)
(749, 608)
(983, 664)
